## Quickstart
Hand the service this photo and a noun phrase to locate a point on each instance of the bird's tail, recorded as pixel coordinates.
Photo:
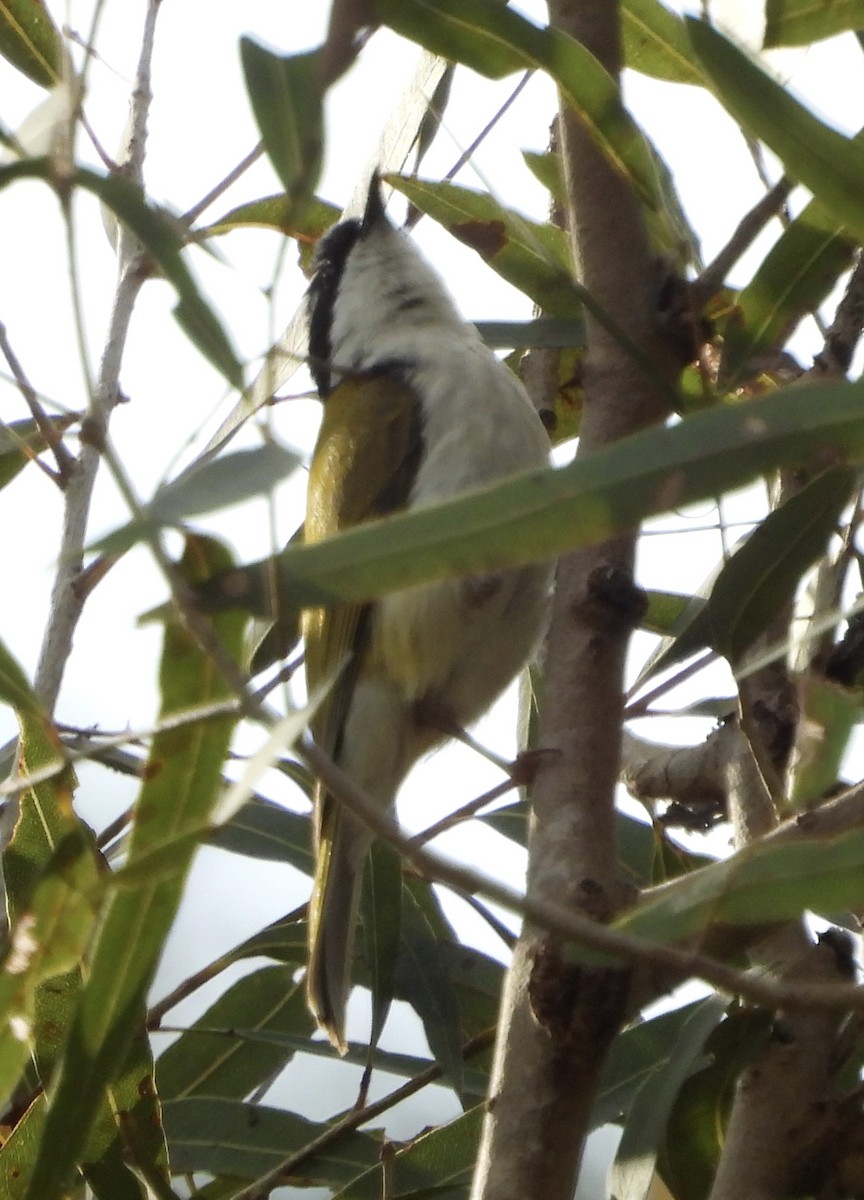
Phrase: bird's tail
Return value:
(333, 912)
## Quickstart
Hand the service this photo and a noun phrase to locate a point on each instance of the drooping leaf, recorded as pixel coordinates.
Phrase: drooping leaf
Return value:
(647, 854)
(664, 611)
(829, 164)
(182, 784)
(827, 716)
(285, 940)
(222, 482)
(45, 941)
(263, 829)
(533, 257)
(439, 1163)
(211, 1059)
(228, 1137)
(543, 513)
(281, 214)
(800, 22)
(381, 912)
(286, 96)
(421, 978)
(696, 1128)
(793, 279)
(19, 1149)
(758, 885)
(30, 40)
(633, 1168)
(638, 1051)
(656, 43)
(763, 575)
(128, 1131)
(759, 577)
(549, 332)
(54, 889)
(205, 488)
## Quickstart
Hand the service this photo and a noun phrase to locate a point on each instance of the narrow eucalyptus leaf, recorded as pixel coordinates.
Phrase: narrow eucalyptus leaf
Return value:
(286, 96)
(30, 41)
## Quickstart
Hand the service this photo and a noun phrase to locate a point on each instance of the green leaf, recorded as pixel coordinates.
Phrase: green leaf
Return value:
(231, 479)
(160, 236)
(437, 1164)
(534, 257)
(30, 40)
(128, 1131)
(203, 1062)
(286, 97)
(800, 22)
(795, 277)
(656, 43)
(643, 1048)
(15, 690)
(227, 1137)
(633, 1168)
(19, 1149)
(549, 332)
(543, 513)
(182, 785)
(21, 441)
(766, 882)
(304, 223)
(695, 1131)
(646, 852)
(279, 213)
(264, 829)
(285, 940)
(381, 910)
(829, 164)
(46, 940)
(422, 979)
(52, 876)
(665, 610)
(668, 227)
(826, 718)
(495, 40)
(207, 487)
(763, 575)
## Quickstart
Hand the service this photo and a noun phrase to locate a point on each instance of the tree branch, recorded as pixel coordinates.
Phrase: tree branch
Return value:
(66, 601)
(558, 1021)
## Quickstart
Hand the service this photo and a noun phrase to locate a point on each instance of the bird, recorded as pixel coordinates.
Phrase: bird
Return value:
(416, 409)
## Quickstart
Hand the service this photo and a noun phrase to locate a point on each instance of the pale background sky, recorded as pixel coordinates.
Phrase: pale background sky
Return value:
(200, 126)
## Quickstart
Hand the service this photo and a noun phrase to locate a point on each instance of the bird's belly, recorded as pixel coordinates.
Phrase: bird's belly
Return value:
(455, 645)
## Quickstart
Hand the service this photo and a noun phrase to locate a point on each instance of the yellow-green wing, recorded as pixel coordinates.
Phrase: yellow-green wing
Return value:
(363, 466)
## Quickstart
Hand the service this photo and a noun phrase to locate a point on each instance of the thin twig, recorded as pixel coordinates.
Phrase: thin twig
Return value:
(555, 918)
(54, 440)
(748, 229)
(66, 605)
(415, 215)
(465, 813)
(233, 175)
(353, 1119)
(638, 708)
(218, 708)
